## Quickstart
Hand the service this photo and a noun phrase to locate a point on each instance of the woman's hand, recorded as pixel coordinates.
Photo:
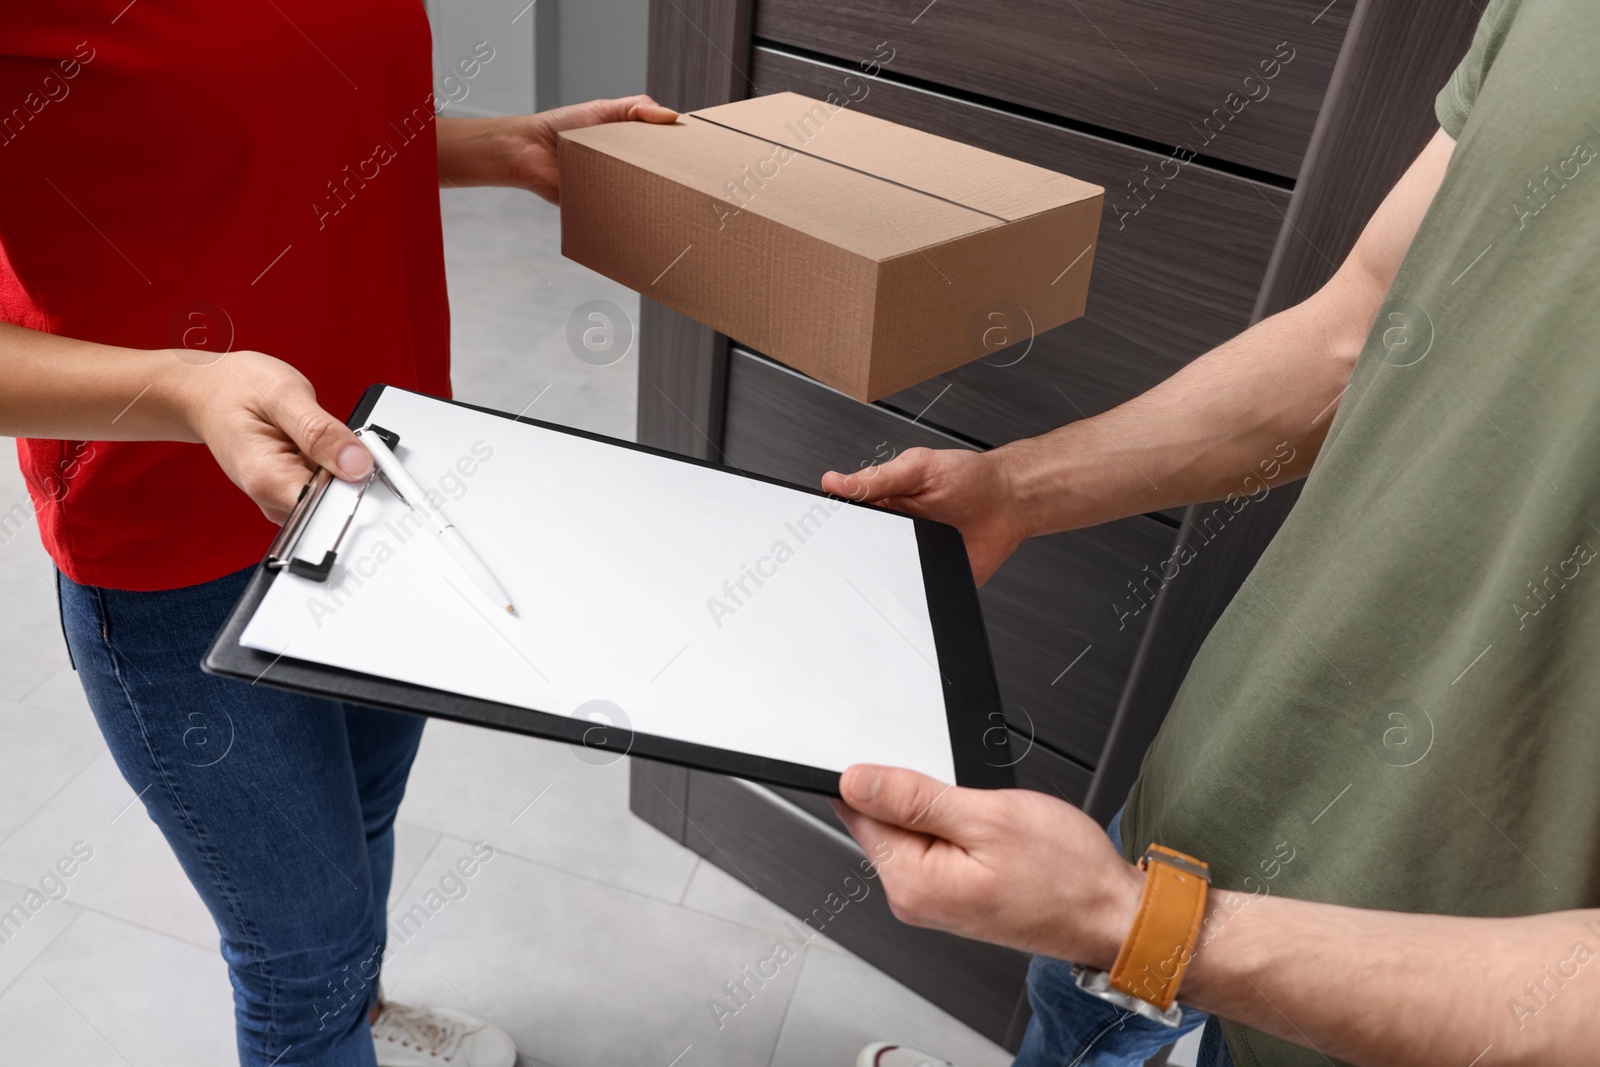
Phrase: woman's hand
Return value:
(520, 151)
(260, 418)
(258, 415)
(968, 490)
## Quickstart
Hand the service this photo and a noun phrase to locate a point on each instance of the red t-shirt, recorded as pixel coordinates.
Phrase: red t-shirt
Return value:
(213, 176)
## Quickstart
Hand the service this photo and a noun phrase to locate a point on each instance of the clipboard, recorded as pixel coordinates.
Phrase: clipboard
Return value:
(888, 599)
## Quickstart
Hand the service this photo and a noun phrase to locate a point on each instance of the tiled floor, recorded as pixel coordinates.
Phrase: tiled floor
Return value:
(588, 938)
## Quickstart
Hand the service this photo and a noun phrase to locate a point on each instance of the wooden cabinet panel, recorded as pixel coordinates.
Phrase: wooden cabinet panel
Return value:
(1044, 770)
(1063, 620)
(1103, 90)
(1172, 72)
(1061, 649)
(818, 878)
(782, 424)
(1169, 282)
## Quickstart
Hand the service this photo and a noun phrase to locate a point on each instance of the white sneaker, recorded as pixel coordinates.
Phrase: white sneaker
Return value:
(409, 1036)
(883, 1054)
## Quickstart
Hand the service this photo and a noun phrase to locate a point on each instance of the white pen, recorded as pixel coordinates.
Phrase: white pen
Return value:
(413, 496)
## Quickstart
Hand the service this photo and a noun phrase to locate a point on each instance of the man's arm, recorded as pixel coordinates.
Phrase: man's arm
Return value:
(1194, 437)
(520, 150)
(1380, 989)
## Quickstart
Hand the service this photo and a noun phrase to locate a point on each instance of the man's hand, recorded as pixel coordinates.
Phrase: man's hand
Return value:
(520, 151)
(1010, 866)
(1023, 869)
(260, 418)
(968, 490)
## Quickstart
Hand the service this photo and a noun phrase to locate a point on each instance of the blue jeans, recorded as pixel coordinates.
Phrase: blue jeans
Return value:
(280, 808)
(1071, 1028)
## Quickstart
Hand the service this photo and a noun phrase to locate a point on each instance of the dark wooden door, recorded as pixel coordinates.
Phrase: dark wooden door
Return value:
(1268, 199)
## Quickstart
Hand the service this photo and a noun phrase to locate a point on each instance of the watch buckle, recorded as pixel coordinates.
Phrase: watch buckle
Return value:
(1098, 983)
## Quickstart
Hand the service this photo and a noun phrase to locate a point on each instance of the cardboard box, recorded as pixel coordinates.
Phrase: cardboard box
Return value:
(863, 253)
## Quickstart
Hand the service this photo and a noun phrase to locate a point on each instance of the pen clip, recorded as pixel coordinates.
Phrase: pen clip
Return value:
(391, 440)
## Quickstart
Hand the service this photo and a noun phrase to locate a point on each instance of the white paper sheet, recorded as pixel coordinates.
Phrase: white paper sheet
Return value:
(708, 607)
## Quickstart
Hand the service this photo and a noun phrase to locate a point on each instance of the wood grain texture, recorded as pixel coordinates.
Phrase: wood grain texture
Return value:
(658, 793)
(682, 379)
(1055, 599)
(1378, 117)
(813, 804)
(1168, 282)
(1044, 770)
(789, 859)
(699, 56)
(1157, 69)
(1061, 650)
(1379, 113)
(699, 52)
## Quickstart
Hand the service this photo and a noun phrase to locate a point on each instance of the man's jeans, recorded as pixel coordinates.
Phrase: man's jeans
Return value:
(280, 808)
(1071, 1028)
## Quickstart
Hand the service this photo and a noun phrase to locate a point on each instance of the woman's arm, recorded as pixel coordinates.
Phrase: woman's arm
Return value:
(258, 415)
(520, 150)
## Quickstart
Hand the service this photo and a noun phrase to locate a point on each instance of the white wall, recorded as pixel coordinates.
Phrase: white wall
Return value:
(601, 48)
(463, 31)
(545, 54)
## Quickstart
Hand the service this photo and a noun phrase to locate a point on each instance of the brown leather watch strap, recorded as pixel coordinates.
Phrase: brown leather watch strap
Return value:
(1158, 948)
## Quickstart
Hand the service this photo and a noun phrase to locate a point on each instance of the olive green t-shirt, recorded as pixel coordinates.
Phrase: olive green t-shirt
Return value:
(1401, 708)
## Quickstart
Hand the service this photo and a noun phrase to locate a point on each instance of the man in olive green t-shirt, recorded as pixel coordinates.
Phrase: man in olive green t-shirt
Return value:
(1389, 745)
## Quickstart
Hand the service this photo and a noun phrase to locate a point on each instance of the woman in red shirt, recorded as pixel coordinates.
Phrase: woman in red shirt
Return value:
(186, 185)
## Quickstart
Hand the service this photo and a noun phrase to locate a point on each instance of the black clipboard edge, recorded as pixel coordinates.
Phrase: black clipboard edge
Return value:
(972, 699)
(961, 643)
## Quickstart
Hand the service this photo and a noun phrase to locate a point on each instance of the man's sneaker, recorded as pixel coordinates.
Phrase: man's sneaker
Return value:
(883, 1054)
(409, 1036)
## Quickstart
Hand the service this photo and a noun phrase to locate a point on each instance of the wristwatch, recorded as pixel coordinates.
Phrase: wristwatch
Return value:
(1148, 970)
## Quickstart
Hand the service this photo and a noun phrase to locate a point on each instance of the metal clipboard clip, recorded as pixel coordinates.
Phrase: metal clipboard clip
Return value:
(281, 555)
